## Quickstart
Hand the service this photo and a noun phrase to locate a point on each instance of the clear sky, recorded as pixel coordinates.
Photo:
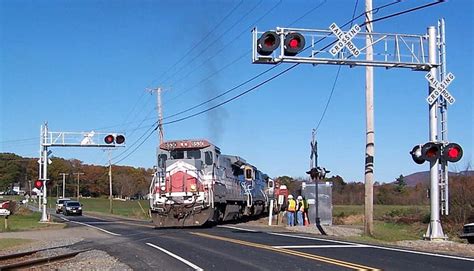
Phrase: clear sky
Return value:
(86, 65)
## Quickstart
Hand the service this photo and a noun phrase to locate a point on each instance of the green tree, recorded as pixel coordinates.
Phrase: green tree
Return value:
(400, 184)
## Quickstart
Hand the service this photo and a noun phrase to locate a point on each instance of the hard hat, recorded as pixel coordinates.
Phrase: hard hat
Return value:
(290, 196)
(300, 197)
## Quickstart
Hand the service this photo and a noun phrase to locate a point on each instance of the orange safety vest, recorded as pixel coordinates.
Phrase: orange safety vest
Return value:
(291, 205)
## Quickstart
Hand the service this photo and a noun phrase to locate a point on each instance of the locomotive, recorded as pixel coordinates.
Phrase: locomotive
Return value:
(194, 184)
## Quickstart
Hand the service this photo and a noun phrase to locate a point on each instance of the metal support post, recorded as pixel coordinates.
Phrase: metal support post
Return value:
(44, 158)
(434, 231)
(270, 213)
(370, 132)
(110, 184)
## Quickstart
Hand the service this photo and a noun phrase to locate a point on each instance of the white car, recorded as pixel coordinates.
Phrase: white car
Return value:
(60, 204)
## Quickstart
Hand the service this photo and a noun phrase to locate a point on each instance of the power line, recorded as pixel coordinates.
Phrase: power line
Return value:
(267, 80)
(335, 79)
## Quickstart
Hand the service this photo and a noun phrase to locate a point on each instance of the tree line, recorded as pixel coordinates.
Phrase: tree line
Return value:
(127, 181)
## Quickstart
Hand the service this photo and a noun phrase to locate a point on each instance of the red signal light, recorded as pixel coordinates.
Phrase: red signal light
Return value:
(109, 139)
(452, 152)
(119, 139)
(38, 184)
(431, 151)
(267, 43)
(294, 43)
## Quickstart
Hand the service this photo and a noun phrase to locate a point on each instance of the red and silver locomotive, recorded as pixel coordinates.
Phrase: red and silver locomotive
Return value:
(194, 184)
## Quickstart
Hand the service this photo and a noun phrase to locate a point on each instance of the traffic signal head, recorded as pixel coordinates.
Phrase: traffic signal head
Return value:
(452, 152)
(112, 138)
(294, 43)
(416, 155)
(267, 43)
(38, 184)
(431, 151)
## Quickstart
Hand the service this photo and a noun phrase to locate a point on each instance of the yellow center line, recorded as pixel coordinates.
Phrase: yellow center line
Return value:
(290, 252)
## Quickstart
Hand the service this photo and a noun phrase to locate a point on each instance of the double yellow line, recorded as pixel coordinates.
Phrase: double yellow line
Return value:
(290, 252)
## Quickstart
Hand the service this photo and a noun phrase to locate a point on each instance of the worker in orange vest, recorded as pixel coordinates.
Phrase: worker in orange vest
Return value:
(290, 211)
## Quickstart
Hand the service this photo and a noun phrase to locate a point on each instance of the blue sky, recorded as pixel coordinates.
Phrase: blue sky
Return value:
(86, 65)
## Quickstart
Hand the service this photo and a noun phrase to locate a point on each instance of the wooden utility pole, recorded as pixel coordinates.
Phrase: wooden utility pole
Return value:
(370, 132)
(159, 113)
(78, 174)
(64, 183)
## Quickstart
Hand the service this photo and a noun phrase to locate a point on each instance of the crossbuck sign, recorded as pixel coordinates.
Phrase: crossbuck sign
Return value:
(344, 39)
(440, 88)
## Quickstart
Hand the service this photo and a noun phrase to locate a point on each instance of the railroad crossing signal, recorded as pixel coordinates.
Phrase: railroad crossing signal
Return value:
(114, 139)
(344, 40)
(38, 184)
(293, 43)
(452, 152)
(440, 88)
(432, 151)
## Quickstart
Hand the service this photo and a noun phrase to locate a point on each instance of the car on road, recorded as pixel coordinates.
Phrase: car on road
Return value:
(59, 204)
(468, 233)
(72, 207)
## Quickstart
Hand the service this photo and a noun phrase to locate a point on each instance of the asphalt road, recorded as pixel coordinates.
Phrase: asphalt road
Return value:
(230, 247)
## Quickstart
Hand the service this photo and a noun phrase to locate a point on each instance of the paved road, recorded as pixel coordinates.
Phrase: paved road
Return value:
(229, 247)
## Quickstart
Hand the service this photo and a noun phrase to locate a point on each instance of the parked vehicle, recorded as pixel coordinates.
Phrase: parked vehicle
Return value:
(60, 203)
(72, 208)
(468, 233)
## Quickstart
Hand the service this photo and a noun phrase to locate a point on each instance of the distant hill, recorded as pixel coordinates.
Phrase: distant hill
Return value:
(424, 177)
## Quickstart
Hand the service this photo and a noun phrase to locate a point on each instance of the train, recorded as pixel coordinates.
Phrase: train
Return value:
(195, 184)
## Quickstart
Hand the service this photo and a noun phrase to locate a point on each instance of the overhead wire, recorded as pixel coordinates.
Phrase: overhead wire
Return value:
(275, 76)
(336, 78)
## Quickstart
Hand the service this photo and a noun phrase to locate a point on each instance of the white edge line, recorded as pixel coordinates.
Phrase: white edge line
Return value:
(424, 253)
(368, 246)
(235, 228)
(320, 246)
(97, 228)
(176, 257)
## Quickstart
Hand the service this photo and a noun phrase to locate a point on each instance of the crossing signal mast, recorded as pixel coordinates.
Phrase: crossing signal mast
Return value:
(425, 52)
(68, 139)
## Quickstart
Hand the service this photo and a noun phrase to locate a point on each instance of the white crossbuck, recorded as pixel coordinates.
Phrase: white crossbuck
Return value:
(344, 40)
(440, 88)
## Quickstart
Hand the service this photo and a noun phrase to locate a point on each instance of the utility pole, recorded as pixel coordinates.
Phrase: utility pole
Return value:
(370, 132)
(64, 182)
(78, 174)
(159, 113)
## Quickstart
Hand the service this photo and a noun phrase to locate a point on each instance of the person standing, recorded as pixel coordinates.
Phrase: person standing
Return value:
(290, 210)
(300, 211)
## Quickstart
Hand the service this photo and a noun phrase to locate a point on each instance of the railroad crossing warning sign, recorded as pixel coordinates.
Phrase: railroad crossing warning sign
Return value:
(344, 40)
(440, 88)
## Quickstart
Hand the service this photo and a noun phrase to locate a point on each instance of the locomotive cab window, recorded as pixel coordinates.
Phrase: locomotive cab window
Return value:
(177, 154)
(208, 158)
(194, 154)
(162, 160)
(248, 173)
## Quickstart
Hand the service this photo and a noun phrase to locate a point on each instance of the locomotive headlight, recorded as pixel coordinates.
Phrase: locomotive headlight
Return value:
(193, 187)
(162, 188)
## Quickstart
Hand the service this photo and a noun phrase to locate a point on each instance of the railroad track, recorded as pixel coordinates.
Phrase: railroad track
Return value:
(34, 259)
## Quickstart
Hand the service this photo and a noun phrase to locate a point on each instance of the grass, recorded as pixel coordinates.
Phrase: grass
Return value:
(130, 208)
(391, 222)
(6, 243)
(25, 220)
